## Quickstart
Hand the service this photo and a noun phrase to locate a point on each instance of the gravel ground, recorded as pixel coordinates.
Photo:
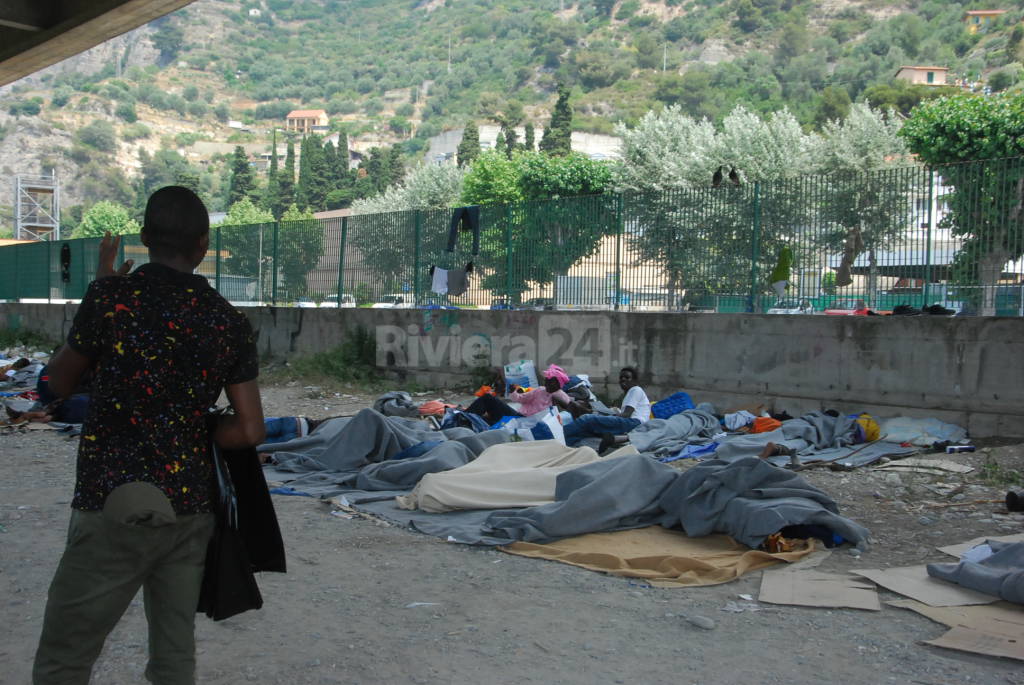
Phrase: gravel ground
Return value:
(365, 602)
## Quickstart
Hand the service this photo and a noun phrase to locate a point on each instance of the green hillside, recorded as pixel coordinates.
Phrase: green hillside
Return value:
(401, 71)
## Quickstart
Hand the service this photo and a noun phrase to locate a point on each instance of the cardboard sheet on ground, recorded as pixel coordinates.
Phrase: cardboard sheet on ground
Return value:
(662, 557)
(914, 582)
(815, 589)
(994, 629)
(958, 550)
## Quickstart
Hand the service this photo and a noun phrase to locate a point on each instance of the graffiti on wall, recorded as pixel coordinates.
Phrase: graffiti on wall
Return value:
(578, 342)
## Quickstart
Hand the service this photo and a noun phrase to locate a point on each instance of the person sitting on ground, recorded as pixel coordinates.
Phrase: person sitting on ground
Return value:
(636, 409)
(539, 399)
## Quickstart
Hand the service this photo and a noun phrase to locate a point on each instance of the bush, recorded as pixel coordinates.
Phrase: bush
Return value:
(135, 131)
(352, 361)
(98, 135)
(30, 107)
(126, 111)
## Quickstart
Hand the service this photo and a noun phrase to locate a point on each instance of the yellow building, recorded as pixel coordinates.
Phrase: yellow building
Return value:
(979, 20)
(307, 120)
(927, 76)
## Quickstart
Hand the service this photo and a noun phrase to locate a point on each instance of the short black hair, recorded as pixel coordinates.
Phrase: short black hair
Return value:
(632, 370)
(176, 220)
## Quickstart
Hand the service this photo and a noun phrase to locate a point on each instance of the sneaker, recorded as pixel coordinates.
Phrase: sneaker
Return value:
(938, 310)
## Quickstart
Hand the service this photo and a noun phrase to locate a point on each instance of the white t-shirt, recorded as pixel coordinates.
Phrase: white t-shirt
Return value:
(637, 398)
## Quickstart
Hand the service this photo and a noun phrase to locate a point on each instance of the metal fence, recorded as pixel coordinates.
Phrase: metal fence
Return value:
(918, 236)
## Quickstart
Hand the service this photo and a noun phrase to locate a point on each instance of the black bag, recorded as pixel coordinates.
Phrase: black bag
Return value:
(229, 584)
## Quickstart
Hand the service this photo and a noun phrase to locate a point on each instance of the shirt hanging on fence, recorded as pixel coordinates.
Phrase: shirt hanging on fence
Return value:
(458, 280)
(439, 280)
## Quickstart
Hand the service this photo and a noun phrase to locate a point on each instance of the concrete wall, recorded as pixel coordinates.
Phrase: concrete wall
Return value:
(967, 370)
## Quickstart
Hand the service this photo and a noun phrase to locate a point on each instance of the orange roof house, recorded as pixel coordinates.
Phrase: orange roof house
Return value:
(928, 76)
(978, 20)
(306, 120)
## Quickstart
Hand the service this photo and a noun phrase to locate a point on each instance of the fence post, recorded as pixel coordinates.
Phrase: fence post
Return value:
(928, 239)
(755, 248)
(417, 219)
(341, 257)
(49, 272)
(508, 253)
(619, 221)
(216, 262)
(273, 267)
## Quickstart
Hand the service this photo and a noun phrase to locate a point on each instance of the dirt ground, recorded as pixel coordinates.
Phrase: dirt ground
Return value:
(369, 603)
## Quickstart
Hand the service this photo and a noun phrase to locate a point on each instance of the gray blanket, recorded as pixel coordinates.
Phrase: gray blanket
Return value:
(1000, 575)
(346, 453)
(659, 436)
(750, 499)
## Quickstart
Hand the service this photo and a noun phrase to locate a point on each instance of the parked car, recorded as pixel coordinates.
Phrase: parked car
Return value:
(347, 301)
(502, 303)
(394, 301)
(847, 308)
(539, 303)
(791, 306)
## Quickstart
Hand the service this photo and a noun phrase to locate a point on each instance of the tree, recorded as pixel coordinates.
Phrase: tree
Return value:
(169, 39)
(855, 153)
(286, 179)
(834, 105)
(387, 239)
(557, 138)
(272, 193)
(546, 197)
(314, 174)
(508, 134)
(99, 135)
(247, 235)
(469, 146)
(103, 217)
(243, 181)
(987, 197)
(528, 142)
(300, 243)
(699, 234)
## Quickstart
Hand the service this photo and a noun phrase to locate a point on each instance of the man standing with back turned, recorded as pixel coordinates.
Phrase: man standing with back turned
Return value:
(163, 344)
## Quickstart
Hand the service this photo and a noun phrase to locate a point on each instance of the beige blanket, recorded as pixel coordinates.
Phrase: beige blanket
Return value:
(513, 474)
(664, 558)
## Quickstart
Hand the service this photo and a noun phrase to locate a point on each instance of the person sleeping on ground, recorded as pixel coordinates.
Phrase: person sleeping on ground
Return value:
(636, 409)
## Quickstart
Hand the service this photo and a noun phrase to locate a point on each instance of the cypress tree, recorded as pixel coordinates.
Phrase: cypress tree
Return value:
(286, 180)
(557, 138)
(499, 142)
(510, 139)
(313, 174)
(469, 147)
(272, 199)
(242, 181)
(395, 166)
(342, 177)
(528, 141)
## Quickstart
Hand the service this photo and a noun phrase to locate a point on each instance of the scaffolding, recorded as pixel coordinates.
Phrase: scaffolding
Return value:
(36, 207)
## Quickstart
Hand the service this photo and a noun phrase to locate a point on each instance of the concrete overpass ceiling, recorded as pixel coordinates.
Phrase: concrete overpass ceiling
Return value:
(37, 33)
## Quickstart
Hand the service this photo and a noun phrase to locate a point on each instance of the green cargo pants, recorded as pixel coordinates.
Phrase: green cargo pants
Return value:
(104, 565)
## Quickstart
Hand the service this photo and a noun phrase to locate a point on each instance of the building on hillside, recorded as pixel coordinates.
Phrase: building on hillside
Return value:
(927, 76)
(307, 120)
(255, 12)
(979, 20)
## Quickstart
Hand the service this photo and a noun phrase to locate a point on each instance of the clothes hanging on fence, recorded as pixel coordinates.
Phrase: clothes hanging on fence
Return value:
(439, 280)
(470, 216)
(853, 247)
(458, 280)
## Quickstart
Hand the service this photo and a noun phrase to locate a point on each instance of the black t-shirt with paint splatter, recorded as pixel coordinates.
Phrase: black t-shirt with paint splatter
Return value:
(165, 344)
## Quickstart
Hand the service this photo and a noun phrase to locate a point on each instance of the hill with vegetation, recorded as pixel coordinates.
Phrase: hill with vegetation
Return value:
(125, 117)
